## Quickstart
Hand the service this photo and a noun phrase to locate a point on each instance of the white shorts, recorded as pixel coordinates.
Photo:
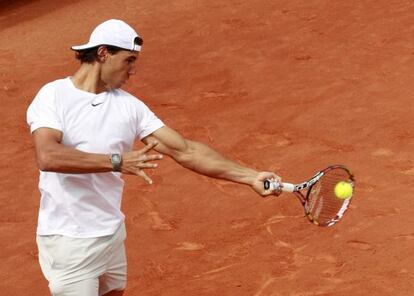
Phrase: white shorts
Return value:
(83, 266)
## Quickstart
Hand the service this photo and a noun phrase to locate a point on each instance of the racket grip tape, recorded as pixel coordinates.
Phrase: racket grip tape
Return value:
(275, 185)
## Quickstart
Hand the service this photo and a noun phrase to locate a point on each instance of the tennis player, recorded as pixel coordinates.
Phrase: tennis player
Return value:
(84, 127)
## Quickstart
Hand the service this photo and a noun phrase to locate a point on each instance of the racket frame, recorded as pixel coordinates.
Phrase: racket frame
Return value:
(298, 191)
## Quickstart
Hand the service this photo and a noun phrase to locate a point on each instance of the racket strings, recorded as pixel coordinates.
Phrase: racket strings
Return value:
(323, 207)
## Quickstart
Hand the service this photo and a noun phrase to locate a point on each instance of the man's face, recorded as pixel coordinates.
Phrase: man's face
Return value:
(117, 68)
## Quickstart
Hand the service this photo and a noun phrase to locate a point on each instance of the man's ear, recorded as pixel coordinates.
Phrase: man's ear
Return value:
(102, 54)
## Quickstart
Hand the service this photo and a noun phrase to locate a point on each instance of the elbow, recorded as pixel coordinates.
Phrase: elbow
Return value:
(180, 157)
(185, 158)
(188, 155)
(44, 162)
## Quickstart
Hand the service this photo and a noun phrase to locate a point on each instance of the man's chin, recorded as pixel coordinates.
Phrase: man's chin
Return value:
(120, 84)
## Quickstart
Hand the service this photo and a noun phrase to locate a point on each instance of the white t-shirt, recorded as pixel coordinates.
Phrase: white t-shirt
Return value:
(86, 205)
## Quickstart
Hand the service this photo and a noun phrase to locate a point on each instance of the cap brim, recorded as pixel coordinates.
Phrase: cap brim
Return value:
(84, 46)
(89, 45)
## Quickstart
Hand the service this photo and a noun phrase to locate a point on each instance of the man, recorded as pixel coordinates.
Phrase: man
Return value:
(84, 127)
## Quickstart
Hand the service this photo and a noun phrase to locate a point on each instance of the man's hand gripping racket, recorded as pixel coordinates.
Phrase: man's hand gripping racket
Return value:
(325, 197)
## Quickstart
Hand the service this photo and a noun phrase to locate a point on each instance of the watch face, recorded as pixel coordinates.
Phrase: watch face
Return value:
(116, 158)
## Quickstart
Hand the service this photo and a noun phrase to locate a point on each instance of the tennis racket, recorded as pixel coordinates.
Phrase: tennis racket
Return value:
(317, 194)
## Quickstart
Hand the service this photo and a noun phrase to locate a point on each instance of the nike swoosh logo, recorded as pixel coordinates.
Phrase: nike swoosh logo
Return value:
(97, 104)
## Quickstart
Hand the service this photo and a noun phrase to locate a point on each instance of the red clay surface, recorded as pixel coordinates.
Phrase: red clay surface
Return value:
(289, 86)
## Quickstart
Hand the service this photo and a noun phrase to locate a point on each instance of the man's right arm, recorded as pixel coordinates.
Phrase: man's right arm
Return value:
(53, 156)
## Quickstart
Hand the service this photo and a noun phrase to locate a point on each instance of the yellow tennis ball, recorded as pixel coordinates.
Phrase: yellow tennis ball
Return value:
(343, 190)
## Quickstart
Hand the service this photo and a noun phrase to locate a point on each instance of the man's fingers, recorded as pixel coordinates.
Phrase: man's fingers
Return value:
(143, 175)
(138, 161)
(278, 191)
(276, 178)
(151, 157)
(143, 165)
(275, 182)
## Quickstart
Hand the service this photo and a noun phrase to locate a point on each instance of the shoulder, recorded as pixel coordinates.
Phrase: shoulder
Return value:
(64, 82)
(48, 94)
(50, 88)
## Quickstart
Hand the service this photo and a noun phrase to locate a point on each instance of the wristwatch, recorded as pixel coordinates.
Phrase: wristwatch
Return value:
(116, 161)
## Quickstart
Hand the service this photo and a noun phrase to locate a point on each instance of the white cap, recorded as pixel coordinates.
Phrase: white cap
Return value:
(113, 32)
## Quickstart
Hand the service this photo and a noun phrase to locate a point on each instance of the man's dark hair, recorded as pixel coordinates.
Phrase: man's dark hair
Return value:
(90, 55)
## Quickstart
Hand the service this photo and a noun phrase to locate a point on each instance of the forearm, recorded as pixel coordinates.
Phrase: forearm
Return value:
(62, 159)
(204, 160)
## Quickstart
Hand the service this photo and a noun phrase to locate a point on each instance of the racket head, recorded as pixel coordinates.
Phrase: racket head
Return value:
(321, 205)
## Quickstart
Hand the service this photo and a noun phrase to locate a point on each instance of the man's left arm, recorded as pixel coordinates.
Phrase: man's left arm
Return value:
(202, 159)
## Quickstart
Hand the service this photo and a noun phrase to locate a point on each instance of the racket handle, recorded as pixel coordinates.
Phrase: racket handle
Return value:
(274, 185)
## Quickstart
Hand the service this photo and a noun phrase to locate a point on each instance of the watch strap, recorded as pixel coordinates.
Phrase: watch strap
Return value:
(116, 161)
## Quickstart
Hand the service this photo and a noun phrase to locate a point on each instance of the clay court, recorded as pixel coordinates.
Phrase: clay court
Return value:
(288, 86)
